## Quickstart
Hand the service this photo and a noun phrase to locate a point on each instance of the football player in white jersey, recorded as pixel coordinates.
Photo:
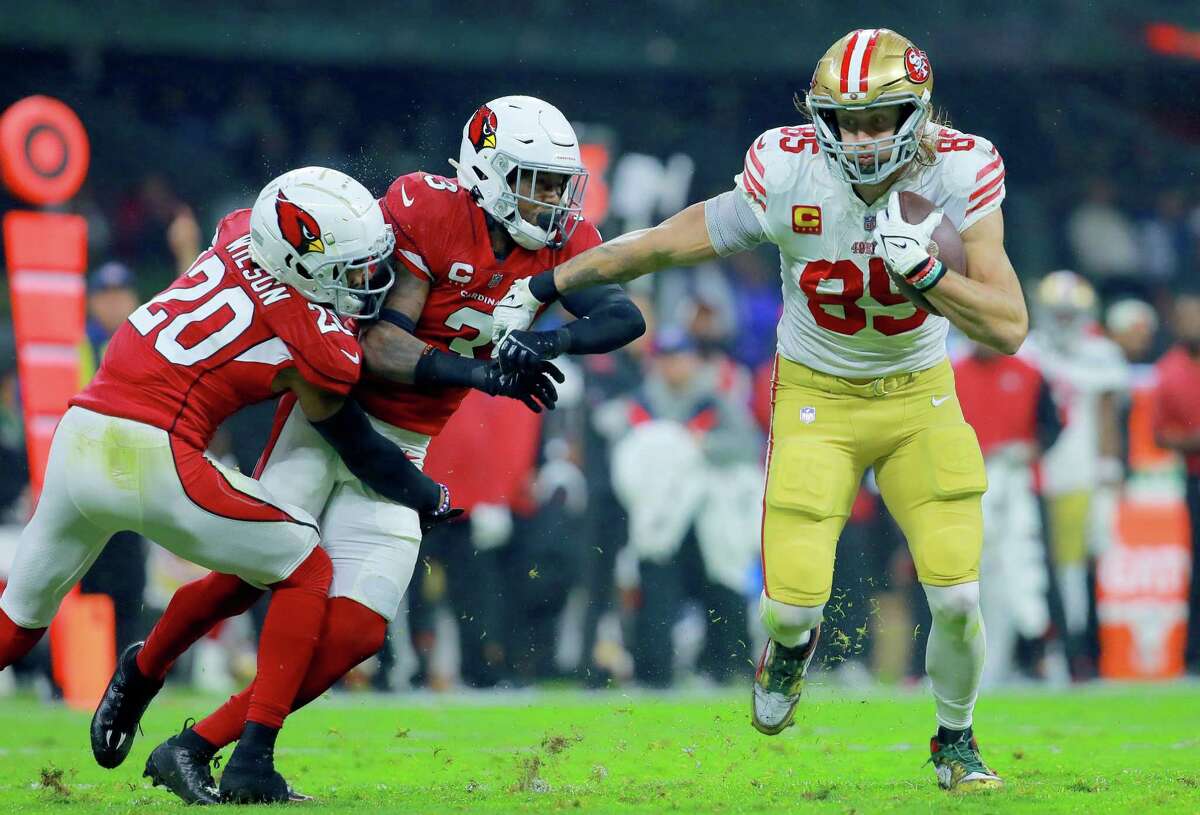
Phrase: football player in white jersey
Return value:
(1082, 472)
(861, 376)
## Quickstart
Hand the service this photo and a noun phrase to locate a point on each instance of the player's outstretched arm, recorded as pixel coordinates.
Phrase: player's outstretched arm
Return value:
(984, 301)
(681, 240)
(369, 455)
(607, 320)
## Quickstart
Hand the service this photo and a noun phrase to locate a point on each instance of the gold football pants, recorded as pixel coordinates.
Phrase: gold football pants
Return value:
(825, 432)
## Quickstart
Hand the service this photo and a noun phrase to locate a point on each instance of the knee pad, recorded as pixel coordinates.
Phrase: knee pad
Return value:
(953, 604)
(788, 625)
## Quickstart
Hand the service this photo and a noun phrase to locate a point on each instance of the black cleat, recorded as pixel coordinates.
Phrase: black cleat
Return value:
(115, 723)
(184, 771)
(251, 778)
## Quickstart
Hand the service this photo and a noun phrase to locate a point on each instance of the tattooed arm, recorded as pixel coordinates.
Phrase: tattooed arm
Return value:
(391, 350)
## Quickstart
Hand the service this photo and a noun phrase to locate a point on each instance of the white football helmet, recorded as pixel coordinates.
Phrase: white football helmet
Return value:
(312, 227)
(505, 145)
(1064, 308)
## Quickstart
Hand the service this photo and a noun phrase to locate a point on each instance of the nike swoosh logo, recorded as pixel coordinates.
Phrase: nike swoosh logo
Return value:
(352, 357)
(408, 202)
(897, 243)
(937, 402)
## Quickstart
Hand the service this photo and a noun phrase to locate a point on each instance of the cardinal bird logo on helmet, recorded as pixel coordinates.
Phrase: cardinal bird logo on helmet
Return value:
(482, 129)
(298, 227)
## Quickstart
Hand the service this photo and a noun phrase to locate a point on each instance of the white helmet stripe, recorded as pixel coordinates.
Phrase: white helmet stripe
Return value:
(860, 59)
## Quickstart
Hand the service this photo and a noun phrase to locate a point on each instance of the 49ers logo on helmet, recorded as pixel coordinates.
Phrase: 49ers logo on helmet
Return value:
(916, 65)
(298, 227)
(482, 129)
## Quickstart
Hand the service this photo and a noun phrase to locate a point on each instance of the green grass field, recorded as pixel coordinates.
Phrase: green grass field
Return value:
(1127, 749)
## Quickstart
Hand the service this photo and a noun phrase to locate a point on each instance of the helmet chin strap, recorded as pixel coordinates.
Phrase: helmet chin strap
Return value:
(523, 238)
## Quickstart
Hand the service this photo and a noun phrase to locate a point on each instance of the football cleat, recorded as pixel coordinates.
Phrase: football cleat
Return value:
(184, 771)
(253, 779)
(115, 723)
(297, 797)
(959, 766)
(779, 683)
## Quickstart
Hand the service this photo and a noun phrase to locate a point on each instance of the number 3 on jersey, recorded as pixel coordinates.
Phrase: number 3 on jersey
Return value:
(853, 317)
(467, 317)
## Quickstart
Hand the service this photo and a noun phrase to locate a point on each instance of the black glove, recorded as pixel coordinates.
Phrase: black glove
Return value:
(533, 387)
(442, 514)
(523, 350)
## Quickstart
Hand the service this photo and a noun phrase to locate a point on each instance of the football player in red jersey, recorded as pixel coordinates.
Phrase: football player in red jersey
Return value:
(513, 209)
(256, 314)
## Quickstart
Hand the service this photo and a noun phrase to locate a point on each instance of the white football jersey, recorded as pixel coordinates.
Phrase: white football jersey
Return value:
(842, 314)
(1078, 376)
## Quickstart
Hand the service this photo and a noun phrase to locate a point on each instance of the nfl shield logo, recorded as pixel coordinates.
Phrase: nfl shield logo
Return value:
(496, 278)
(808, 415)
(869, 223)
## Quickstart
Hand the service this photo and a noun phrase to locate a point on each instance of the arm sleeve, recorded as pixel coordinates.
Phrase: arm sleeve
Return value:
(608, 319)
(732, 225)
(380, 465)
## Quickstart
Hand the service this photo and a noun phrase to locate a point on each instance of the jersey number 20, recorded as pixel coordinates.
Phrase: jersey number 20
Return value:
(210, 271)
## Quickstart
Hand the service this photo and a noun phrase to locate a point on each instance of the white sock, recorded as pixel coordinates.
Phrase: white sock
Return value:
(1072, 585)
(955, 654)
(788, 625)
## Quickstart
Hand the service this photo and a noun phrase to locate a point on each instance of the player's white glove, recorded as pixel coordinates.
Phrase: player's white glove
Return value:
(904, 247)
(515, 312)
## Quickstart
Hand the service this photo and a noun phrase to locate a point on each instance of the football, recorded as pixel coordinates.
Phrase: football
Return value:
(947, 245)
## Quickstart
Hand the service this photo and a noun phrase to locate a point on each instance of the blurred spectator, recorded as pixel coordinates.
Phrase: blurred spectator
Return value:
(1104, 242)
(1082, 472)
(155, 230)
(120, 570)
(13, 461)
(1132, 324)
(1164, 239)
(487, 455)
(1177, 427)
(1009, 404)
(688, 474)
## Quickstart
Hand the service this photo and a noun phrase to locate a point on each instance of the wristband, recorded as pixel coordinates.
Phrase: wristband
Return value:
(542, 287)
(398, 319)
(926, 275)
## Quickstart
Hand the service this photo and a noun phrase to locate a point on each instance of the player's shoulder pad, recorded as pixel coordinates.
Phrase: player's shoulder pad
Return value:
(324, 347)
(775, 160)
(234, 225)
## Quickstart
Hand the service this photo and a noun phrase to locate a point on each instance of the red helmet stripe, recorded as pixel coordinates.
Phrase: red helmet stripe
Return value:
(866, 61)
(846, 60)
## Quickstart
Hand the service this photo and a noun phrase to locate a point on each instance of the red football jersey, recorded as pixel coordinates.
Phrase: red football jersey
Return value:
(215, 340)
(442, 236)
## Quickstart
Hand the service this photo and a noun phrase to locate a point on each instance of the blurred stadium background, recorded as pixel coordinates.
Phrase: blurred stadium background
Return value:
(190, 108)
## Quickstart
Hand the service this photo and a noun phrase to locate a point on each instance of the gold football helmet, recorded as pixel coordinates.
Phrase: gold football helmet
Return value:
(1064, 307)
(871, 68)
